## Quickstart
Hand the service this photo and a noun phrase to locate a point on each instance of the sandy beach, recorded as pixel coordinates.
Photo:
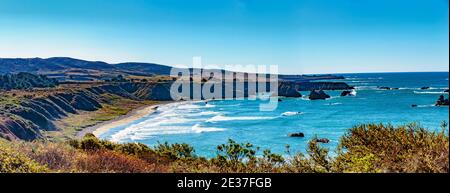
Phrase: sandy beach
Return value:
(133, 115)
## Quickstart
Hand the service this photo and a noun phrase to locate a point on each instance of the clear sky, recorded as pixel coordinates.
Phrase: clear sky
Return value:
(301, 36)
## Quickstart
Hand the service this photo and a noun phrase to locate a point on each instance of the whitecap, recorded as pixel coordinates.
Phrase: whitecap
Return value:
(198, 129)
(333, 104)
(430, 92)
(140, 132)
(366, 88)
(220, 118)
(189, 106)
(291, 113)
(209, 106)
(206, 113)
(422, 106)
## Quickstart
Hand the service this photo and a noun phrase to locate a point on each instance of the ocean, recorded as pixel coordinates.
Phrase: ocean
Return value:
(206, 125)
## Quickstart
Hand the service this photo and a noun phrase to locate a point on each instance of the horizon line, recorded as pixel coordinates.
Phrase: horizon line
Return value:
(172, 66)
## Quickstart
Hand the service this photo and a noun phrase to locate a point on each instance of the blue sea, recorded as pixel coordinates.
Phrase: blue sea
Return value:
(204, 126)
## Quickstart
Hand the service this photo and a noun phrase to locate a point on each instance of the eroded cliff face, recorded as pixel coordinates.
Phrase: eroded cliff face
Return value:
(29, 117)
(26, 119)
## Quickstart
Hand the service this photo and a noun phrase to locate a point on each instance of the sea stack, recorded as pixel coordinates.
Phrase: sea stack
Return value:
(442, 101)
(318, 95)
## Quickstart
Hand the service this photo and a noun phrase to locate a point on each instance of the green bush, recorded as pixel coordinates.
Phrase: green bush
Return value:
(14, 162)
(367, 148)
(409, 148)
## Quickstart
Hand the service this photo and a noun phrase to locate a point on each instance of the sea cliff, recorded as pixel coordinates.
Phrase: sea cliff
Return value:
(26, 117)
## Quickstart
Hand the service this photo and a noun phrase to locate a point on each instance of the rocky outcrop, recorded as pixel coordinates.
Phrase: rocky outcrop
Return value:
(292, 89)
(322, 140)
(442, 101)
(296, 134)
(35, 117)
(13, 128)
(347, 93)
(425, 88)
(308, 86)
(318, 95)
(287, 90)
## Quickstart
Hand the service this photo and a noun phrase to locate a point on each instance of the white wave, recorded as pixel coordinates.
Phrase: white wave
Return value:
(220, 118)
(430, 88)
(430, 92)
(209, 106)
(198, 129)
(189, 106)
(360, 81)
(408, 88)
(291, 113)
(304, 97)
(366, 88)
(207, 113)
(332, 97)
(147, 132)
(333, 104)
(422, 106)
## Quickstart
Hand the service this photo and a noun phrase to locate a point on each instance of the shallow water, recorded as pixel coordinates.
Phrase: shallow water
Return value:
(204, 126)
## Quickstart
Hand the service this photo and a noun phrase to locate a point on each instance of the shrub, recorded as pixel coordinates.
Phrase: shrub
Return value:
(175, 151)
(112, 162)
(15, 162)
(410, 148)
(57, 157)
(231, 156)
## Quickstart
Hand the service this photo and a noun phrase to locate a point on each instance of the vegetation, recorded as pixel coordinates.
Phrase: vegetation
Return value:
(25, 80)
(365, 148)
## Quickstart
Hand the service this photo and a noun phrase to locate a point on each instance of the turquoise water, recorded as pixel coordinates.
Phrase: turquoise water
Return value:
(204, 126)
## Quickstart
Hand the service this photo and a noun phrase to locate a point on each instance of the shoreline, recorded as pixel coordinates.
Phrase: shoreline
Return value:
(133, 115)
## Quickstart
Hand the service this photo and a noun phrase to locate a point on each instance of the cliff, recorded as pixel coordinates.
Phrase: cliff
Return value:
(25, 118)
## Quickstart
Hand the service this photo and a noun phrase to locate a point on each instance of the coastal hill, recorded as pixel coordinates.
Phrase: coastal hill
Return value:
(64, 95)
(71, 69)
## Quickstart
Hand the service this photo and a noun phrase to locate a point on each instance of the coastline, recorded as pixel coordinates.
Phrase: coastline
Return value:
(131, 116)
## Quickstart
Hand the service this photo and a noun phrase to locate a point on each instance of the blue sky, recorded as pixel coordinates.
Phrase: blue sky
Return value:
(301, 36)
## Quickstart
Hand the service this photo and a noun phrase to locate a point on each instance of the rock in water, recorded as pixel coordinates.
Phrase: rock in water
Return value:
(425, 88)
(323, 140)
(446, 90)
(348, 93)
(384, 88)
(442, 101)
(318, 95)
(296, 135)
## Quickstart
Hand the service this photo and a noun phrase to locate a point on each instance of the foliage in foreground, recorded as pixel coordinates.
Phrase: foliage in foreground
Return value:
(365, 148)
